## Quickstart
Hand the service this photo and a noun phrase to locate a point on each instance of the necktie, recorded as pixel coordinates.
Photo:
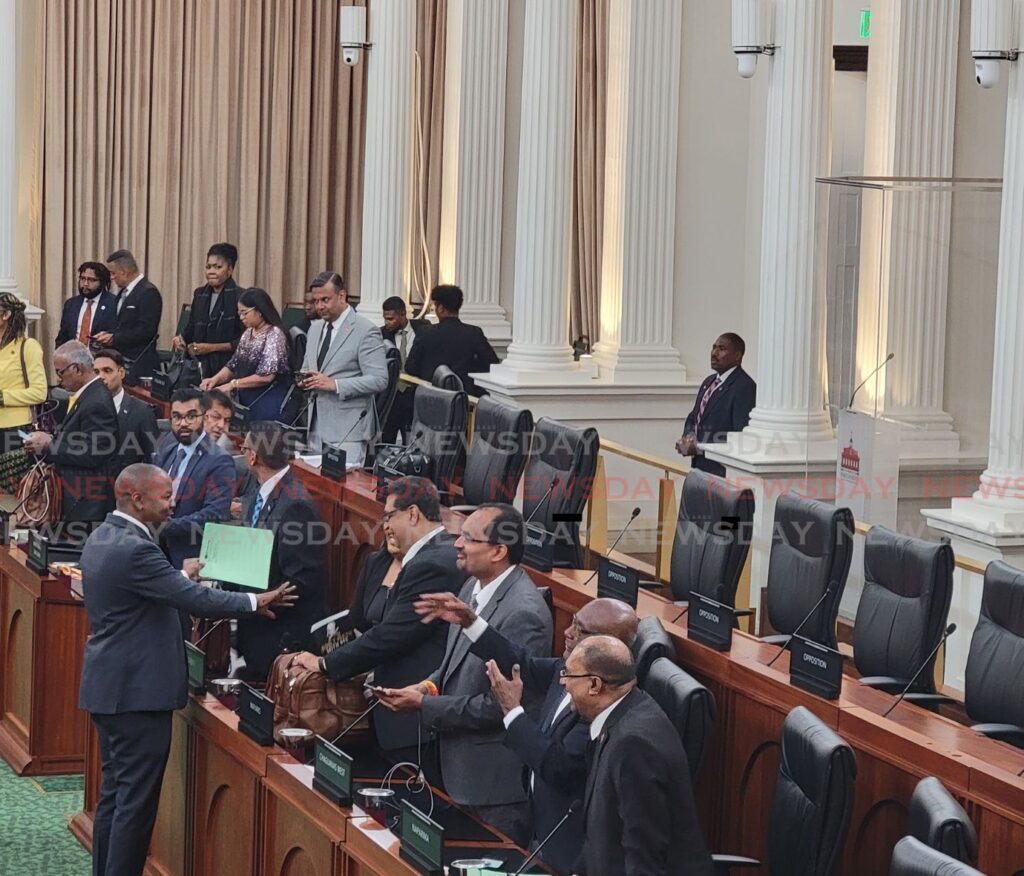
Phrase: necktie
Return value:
(121, 298)
(474, 601)
(86, 329)
(707, 397)
(403, 344)
(175, 470)
(256, 508)
(325, 345)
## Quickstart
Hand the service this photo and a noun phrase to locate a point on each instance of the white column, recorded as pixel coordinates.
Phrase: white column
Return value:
(905, 241)
(387, 183)
(8, 155)
(789, 422)
(638, 260)
(540, 349)
(474, 151)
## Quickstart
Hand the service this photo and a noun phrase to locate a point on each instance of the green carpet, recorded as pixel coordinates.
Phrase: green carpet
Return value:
(34, 816)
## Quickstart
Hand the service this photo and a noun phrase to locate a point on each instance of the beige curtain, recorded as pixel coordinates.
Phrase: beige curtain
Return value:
(169, 125)
(431, 19)
(588, 177)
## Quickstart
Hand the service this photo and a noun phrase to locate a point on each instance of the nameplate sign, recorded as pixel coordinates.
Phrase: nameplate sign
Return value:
(332, 772)
(161, 388)
(255, 715)
(709, 622)
(333, 462)
(422, 841)
(196, 660)
(815, 668)
(616, 581)
(38, 558)
(540, 548)
(239, 418)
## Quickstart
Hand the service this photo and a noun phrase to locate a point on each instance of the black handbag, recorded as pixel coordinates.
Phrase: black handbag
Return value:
(183, 371)
(394, 460)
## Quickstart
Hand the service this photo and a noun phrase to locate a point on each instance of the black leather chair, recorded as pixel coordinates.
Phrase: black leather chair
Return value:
(384, 400)
(812, 544)
(296, 347)
(569, 454)
(908, 584)
(445, 378)
(439, 429)
(911, 857)
(712, 538)
(688, 704)
(812, 804)
(651, 643)
(497, 456)
(937, 820)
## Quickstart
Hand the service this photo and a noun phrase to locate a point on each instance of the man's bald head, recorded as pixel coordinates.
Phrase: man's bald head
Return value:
(599, 672)
(606, 617)
(144, 492)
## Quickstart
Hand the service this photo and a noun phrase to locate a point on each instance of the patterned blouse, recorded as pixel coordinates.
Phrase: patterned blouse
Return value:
(264, 353)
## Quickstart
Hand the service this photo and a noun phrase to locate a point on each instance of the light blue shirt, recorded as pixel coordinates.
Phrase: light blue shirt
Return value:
(190, 450)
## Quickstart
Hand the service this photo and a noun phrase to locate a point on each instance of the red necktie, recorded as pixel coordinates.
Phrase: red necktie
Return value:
(86, 329)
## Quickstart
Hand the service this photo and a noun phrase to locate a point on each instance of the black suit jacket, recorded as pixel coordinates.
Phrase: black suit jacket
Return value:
(417, 326)
(553, 750)
(728, 410)
(103, 316)
(84, 451)
(139, 432)
(639, 811)
(299, 557)
(136, 328)
(463, 348)
(401, 649)
(221, 327)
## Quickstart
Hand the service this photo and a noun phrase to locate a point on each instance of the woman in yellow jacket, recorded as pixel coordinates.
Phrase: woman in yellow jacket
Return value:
(22, 375)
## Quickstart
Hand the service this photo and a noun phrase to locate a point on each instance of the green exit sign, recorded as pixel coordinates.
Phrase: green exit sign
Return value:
(865, 24)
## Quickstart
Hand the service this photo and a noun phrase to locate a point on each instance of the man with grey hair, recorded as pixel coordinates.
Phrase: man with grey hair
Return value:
(139, 307)
(84, 447)
(638, 809)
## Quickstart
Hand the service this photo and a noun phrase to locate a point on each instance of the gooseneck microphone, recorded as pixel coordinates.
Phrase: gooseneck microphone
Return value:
(197, 642)
(576, 804)
(554, 483)
(373, 706)
(351, 429)
(877, 368)
(949, 632)
(800, 625)
(633, 516)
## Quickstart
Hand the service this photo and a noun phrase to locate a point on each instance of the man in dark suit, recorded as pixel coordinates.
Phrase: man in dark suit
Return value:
(283, 505)
(553, 747)
(203, 476)
(134, 674)
(139, 306)
(456, 701)
(461, 347)
(84, 448)
(138, 430)
(638, 808)
(724, 402)
(402, 332)
(92, 310)
(213, 328)
(399, 649)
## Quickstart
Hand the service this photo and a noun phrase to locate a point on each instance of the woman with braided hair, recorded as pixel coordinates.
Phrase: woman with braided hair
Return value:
(22, 375)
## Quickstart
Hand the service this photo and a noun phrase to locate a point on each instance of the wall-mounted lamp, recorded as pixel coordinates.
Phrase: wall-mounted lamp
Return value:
(992, 35)
(352, 33)
(751, 33)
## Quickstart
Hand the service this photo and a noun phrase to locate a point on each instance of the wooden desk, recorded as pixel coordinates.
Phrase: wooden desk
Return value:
(43, 628)
(163, 408)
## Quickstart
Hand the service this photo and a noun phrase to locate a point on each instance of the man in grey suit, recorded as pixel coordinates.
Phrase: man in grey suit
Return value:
(456, 701)
(344, 367)
(134, 675)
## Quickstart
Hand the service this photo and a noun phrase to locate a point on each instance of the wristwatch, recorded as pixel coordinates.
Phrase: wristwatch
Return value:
(321, 664)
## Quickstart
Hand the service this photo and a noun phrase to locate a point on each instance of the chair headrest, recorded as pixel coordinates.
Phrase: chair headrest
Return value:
(1002, 598)
(937, 820)
(651, 643)
(907, 566)
(810, 526)
(296, 332)
(810, 751)
(708, 500)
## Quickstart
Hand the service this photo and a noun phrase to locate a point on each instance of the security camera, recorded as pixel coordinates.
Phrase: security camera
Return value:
(352, 33)
(986, 72)
(350, 55)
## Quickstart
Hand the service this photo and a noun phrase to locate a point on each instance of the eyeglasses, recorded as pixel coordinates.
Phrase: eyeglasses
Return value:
(60, 372)
(190, 417)
(469, 539)
(564, 673)
(245, 311)
(389, 514)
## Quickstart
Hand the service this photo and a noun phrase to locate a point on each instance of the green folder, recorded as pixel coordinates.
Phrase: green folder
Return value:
(237, 554)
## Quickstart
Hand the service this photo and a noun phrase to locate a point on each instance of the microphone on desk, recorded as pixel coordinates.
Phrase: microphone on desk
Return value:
(554, 483)
(878, 368)
(800, 625)
(949, 632)
(373, 706)
(302, 413)
(633, 516)
(576, 804)
(351, 429)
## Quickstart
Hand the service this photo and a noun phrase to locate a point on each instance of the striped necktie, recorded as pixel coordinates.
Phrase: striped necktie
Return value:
(707, 397)
(256, 508)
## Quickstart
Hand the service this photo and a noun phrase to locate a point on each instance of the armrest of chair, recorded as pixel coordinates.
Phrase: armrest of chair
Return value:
(1011, 733)
(725, 863)
(927, 699)
(774, 640)
(888, 683)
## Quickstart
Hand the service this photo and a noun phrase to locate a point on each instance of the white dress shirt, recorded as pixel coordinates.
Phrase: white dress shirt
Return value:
(117, 401)
(267, 487)
(419, 545)
(597, 725)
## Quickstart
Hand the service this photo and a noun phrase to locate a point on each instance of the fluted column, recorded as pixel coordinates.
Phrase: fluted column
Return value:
(387, 182)
(8, 154)
(789, 420)
(638, 260)
(540, 311)
(902, 301)
(474, 149)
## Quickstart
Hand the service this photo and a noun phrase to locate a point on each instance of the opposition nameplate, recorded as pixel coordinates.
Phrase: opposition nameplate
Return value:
(38, 558)
(332, 464)
(161, 388)
(239, 418)
(196, 660)
(815, 668)
(617, 581)
(422, 841)
(332, 772)
(540, 548)
(709, 622)
(255, 715)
